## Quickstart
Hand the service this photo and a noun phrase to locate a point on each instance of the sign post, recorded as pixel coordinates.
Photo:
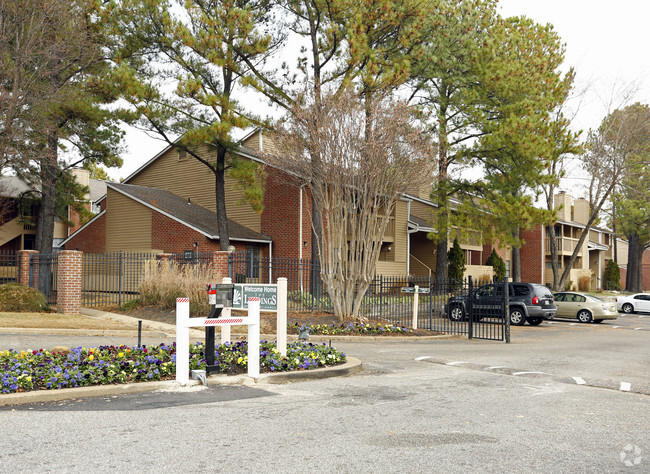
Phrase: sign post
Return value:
(184, 322)
(415, 290)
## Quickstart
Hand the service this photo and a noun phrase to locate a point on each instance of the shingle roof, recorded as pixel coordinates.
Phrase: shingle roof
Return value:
(190, 214)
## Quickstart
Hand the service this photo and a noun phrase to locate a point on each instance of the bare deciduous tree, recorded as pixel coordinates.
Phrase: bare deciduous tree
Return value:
(367, 158)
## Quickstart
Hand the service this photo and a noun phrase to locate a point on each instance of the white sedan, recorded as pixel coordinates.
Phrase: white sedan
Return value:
(633, 303)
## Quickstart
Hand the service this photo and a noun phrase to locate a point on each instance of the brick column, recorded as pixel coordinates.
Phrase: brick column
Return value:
(163, 257)
(22, 272)
(220, 264)
(68, 280)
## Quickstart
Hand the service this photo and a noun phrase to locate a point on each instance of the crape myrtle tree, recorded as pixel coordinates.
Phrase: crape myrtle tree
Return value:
(183, 64)
(632, 200)
(55, 82)
(362, 171)
(524, 87)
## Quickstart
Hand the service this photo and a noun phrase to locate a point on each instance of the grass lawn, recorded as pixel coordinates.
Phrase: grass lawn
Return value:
(57, 321)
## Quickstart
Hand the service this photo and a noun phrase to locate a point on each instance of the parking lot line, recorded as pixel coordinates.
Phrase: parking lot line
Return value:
(625, 386)
(579, 380)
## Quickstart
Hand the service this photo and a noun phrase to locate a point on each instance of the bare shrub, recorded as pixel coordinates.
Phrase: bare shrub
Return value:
(165, 281)
(584, 283)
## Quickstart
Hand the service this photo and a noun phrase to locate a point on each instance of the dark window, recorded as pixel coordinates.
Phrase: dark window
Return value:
(484, 291)
(252, 262)
(560, 297)
(580, 299)
(520, 290)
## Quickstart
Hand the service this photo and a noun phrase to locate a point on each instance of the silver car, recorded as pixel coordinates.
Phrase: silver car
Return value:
(585, 308)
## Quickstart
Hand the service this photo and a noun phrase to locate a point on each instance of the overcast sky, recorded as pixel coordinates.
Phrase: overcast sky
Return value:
(607, 43)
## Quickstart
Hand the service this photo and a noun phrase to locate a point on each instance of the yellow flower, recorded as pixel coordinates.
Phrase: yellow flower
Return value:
(29, 379)
(91, 357)
(120, 355)
(239, 361)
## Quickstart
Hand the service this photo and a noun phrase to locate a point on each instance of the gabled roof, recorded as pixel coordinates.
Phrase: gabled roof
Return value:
(192, 215)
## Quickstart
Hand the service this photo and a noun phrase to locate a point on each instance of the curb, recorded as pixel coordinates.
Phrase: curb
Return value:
(81, 332)
(352, 366)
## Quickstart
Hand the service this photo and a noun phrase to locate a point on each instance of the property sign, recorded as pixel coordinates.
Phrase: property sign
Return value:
(411, 289)
(268, 295)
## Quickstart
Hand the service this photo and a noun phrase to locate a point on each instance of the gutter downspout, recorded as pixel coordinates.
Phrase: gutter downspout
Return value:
(300, 240)
(408, 239)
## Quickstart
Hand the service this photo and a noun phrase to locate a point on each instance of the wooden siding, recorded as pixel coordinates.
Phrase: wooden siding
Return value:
(397, 267)
(188, 178)
(423, 254)
(128, 224)
(423, 211)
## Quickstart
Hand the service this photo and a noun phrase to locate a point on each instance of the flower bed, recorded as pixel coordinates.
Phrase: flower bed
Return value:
(349, 329)
(42, 370)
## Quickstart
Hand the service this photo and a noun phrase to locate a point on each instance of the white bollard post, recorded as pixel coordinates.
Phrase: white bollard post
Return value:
(281, 319)
(415, 307)
(225, 313)
(254, 338)
(182, 340)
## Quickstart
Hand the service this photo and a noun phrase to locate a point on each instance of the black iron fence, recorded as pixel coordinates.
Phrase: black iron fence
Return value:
(305, 290)
(43, 270)
(8, 266)
(441, 306)
(113, 278)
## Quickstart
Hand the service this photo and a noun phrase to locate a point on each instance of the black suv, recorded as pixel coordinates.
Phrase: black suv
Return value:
(528, 302)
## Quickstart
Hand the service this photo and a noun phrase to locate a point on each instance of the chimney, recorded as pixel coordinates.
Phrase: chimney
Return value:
(581, 211)
(563, 200)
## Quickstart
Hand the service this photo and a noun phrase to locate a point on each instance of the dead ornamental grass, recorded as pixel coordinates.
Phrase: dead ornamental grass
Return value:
(165, 281)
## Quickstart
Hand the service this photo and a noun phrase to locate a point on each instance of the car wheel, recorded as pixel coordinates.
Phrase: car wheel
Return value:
(598, 321)
(457, 313)
(517, 317)
(628, 308)
(535, 321)
(584, 316)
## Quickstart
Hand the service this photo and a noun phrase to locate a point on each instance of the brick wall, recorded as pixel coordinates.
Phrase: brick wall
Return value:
(75, 218)
(281, 216)
(487, 251)
(533, 256)
(92, 239)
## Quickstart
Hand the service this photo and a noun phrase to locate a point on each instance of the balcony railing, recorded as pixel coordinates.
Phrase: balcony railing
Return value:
(565, 246)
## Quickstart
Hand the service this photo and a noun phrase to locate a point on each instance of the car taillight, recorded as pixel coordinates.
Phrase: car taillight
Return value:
(535, 300)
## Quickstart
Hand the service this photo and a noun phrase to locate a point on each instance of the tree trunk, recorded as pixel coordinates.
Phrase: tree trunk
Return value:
(515, 268)
(220, 197)
(49, 171)
(634, 264)
(555, 259)
(442, 262)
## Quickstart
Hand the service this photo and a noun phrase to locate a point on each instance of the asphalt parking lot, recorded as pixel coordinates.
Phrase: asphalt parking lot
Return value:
(418, 406)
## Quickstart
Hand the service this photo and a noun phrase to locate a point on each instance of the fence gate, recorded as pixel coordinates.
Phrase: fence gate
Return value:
(42, 274)
(447, 307)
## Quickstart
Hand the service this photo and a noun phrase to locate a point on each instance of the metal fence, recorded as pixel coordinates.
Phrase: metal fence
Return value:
(386, 301)
(113, 278)
(43, 274)
(305, 290)
(8, 266)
